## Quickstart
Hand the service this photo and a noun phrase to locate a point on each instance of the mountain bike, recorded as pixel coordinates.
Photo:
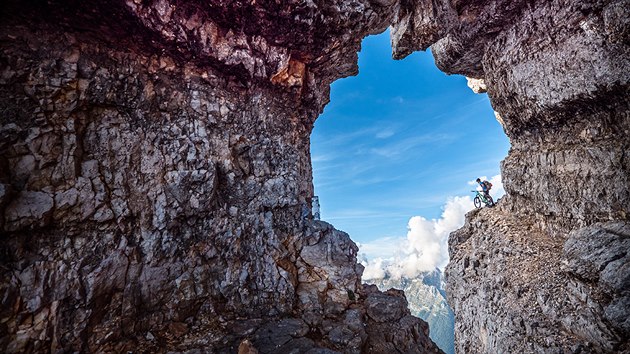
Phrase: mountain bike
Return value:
(481, 198)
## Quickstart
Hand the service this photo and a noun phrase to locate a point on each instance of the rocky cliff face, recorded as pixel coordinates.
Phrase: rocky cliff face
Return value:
(155, 173)
(427, 300)
(546, 271)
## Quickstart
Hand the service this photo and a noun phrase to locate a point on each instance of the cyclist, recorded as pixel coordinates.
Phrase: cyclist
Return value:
(485, 187)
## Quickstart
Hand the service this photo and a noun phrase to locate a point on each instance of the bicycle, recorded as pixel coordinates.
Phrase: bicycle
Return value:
(480, 197)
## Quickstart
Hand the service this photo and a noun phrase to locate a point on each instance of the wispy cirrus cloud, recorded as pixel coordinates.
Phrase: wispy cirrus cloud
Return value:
(362, 214)
(386, 133)
(401, 147)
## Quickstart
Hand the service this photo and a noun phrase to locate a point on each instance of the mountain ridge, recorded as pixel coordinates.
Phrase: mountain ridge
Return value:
(427, 300)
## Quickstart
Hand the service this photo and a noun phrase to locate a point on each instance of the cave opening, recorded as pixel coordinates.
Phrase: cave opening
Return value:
(395, 155)
(155, 168)
(397, 140)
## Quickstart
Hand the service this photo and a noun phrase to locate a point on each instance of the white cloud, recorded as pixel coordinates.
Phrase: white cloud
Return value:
(380, 248)
(426, 245)
(374, 269)
(424, 249)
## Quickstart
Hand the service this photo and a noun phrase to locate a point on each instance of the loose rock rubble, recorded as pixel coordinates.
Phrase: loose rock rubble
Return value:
(509, 280)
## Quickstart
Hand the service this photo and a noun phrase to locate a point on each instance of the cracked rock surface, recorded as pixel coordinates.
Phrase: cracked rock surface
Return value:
(546, 272)
(154, 169)
(522, 290)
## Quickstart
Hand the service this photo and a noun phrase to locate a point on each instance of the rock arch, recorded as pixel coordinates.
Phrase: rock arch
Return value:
(155, 164)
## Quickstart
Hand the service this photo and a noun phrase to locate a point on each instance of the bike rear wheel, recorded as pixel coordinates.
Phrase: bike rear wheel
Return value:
(477, 202)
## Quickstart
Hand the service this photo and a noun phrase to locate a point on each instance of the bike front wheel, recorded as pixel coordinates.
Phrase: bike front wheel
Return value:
(477, 202)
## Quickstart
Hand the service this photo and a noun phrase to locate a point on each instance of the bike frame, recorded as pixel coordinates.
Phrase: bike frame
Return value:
(482, 197)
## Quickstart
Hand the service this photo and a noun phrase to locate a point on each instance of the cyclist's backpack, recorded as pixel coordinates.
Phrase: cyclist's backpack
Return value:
(488, 184)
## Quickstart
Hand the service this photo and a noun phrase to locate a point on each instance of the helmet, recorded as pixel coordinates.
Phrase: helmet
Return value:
(478, 179)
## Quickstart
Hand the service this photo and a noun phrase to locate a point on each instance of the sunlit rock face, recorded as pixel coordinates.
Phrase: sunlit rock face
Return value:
(154, 171)
(546, 271)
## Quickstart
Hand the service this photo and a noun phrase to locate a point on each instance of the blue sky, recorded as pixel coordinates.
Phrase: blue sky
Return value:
(397, 141)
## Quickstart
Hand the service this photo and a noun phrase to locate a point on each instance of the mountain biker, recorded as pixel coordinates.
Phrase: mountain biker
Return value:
(485, 187)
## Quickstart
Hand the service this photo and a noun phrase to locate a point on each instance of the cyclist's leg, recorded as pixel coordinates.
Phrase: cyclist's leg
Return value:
(489, 197)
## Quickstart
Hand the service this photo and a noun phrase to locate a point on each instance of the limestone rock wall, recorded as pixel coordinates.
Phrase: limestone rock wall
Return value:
(155, 176)
(535, 275)
(155, 180)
